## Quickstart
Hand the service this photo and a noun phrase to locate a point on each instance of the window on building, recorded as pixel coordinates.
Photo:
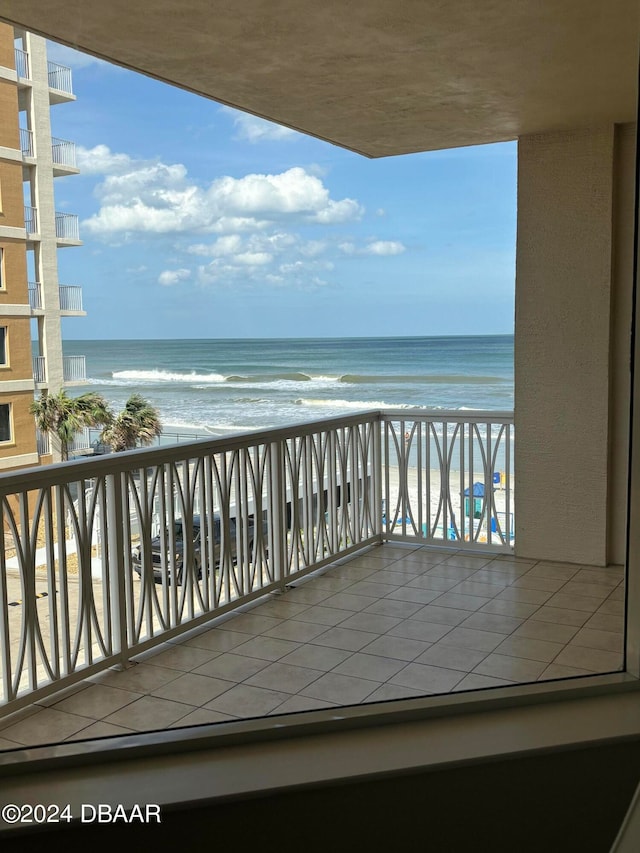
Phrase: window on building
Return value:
(5, 422)
(3, 346)
(2, 280)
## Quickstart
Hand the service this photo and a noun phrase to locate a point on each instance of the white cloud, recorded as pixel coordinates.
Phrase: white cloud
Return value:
(254, 129)
(159, 198)
(171, 277)
(385, 247)
(374, 247)
(100, 160)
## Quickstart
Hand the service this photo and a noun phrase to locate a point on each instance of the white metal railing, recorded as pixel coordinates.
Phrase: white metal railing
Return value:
(43, 443)
(67, 226)
(39, 368)
(102, 535)
(22, 63)
(35, 295)
(31, 219)
(74, 368)
(448, 477)
(60, 77)
(26, 142)
(70, 298)
(63, 152)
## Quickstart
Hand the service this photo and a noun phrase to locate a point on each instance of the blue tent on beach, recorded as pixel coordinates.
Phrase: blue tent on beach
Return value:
(478, 494)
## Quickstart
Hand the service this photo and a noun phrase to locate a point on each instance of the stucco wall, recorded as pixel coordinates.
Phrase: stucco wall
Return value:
(562, 350)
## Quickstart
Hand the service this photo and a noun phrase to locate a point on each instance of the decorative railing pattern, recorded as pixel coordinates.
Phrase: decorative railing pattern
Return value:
(22, 63)
(35, 295)
(74, 368)
(256, 510)
(448, 477)
(70, 297)
(31, 219)
(39, 368)
(63, 152)
(60, 77)
(26, 142)
(67, 226)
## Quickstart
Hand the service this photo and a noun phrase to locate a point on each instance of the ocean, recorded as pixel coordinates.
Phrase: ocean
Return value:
(213, 387)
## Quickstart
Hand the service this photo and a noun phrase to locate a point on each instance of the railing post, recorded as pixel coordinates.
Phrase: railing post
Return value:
(377, 475)
(115, 567)
(278, 515)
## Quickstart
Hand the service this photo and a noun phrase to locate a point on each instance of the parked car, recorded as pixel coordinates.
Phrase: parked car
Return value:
(177, 564)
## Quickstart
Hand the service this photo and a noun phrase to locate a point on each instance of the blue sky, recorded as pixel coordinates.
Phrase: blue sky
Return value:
(199, 221)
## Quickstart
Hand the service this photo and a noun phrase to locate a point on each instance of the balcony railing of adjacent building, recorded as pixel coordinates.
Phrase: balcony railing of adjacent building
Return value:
(63, 152)
(60, 77)
(26, 142)
(22, 63)
(39, 369)
(70, 298)
(43, 443)
(271, 507)
(35, 295)
(31, 219)
(67, 226)
(74, 368)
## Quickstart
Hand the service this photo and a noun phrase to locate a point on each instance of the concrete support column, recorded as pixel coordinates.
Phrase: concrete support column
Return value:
(46, 260)
(575, 216)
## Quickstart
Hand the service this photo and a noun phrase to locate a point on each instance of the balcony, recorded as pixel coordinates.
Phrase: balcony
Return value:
(70, 297)
(22, 64)
(26, 143)
(39, 369)
(35, 296)
(60, 83)
(64, 157)
(67, 229)
(74, 369)
(374, 577)
(31, 220)
(71, 300)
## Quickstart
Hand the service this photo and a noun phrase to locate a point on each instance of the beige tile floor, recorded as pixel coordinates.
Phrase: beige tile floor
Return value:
(395, 621)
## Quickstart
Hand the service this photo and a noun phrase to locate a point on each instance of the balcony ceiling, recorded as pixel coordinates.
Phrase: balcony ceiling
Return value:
(381, 77)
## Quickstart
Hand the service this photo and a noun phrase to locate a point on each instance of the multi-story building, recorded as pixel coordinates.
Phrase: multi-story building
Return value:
(31, 232)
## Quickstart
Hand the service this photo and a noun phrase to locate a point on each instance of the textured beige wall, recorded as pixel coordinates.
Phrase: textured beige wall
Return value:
(7, 55)
(24, 433)
(9, 134)
(15, 274)
(562, 350)
(12, 212)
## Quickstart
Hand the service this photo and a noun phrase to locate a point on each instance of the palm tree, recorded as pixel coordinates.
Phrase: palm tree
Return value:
(63, 417)
(137, 424)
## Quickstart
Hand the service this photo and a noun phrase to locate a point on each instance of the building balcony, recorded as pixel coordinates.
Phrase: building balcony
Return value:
(22, 64)
(64, 157)
(70, 300)
(67, 229)
(336, 562)
(40, 369)
(26, 143)
(60, 83)
(74, 370)
(31, 220)
(35, 297)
